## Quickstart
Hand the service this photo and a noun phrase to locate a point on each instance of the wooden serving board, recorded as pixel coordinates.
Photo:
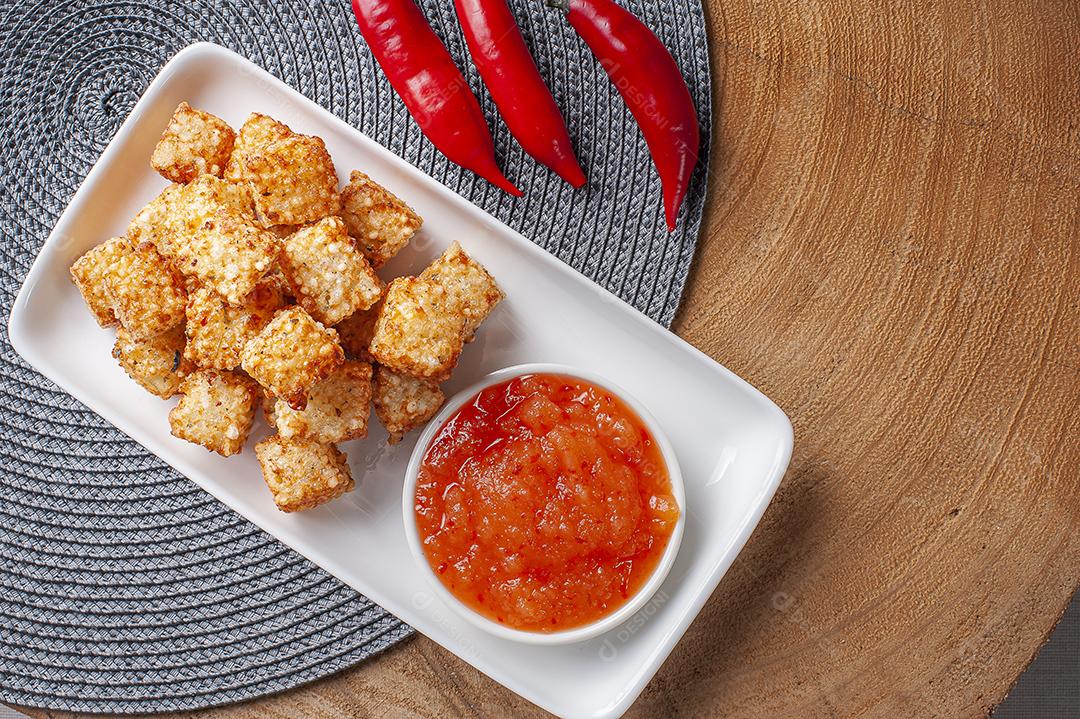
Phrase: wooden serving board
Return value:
(892, 253)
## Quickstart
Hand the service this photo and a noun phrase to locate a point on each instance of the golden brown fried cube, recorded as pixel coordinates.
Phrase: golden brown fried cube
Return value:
(356, 332)
(157, 364)
(403, 403)
(337, 410)
(293, 181)
(194, 143)
(302, 473)
(146, 292)
(420, 330)
(89, 273)
(469, 282)
(229, 255)
(158, 222)
(257, 132)
(203, 199)
(291, 354)
(380, 223)
(216, 411)
(328, 275)
(218, 331)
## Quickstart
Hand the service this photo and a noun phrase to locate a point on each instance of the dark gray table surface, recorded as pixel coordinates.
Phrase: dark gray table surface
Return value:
(1050, 688)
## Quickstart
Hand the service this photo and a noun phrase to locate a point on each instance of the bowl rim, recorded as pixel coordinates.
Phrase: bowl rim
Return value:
(567, 636)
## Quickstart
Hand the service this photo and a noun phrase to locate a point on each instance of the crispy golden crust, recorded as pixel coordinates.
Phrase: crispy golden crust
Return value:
(194, 143)
(356, 332)
(378, 220)
(257, 132)
(218, 331)
(229, 255)
(403, 403)
(157, 364)
(293, 181)
(157, 222)
(329, 277)
(216, 411)
(337, 410)
(469, 283)
(146, 293)
(203, 199)
(420, 330)
(89, 273)
(291, 354)
(196, 207)
(302, 473)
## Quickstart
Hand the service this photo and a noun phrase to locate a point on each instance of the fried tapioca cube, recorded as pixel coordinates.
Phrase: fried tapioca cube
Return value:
(218, 331)
(216, 410)
(469, 282)
(194, 143)
(356, 331)
(293, 181)
(157, 363)
(146, 292)
(329, 276)
(291, 354)
(228, 255)
(157, 222)
(257, 132)
(203, 199)
(403, 403)
(337, 410)
(302, 473)
(378, 220)
(89, 273)
(420, 330)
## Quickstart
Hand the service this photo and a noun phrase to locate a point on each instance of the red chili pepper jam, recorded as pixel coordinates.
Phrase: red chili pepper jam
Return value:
(544, 503)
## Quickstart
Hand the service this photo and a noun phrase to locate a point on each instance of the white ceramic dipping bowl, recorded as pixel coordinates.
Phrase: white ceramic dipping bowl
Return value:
(577, 634)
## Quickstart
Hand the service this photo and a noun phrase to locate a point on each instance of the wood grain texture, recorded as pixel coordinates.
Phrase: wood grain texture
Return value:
(891, 253)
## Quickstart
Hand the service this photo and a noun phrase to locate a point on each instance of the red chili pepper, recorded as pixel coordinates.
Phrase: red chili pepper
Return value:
(509, 71)
(433, 88)
(651, 85)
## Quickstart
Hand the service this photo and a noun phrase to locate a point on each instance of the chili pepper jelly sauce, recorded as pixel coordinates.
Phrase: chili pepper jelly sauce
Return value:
(544, 503)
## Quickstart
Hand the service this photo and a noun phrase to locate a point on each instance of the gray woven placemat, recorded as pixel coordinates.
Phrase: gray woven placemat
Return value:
(123, 587)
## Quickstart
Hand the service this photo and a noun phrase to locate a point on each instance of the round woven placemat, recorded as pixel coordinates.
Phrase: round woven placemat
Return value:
(125, 588)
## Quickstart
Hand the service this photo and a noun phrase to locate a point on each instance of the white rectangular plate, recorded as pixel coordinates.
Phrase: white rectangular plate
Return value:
(733, 443)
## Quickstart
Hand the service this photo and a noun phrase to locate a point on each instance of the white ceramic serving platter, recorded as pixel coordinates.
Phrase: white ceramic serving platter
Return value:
(732, 442)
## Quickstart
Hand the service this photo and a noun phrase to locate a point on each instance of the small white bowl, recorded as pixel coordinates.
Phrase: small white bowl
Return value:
(568, 636)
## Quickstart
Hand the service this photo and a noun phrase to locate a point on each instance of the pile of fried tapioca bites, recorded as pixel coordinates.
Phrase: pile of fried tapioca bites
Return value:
(250, 281)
